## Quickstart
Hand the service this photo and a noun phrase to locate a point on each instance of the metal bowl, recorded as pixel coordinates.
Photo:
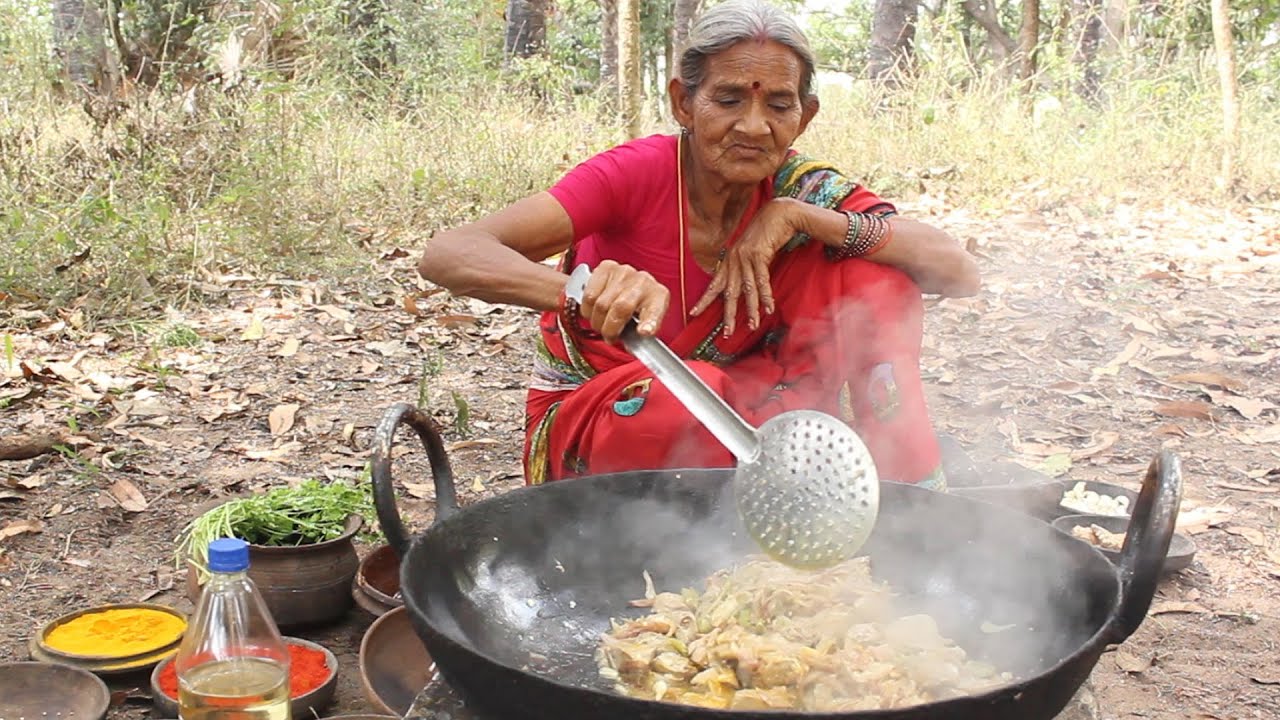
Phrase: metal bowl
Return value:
(1182, 549)
(303, 706)
(49, 690)
(394, 664)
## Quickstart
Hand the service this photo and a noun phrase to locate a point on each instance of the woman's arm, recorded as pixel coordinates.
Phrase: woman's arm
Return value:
(933, 259)
(498, 258)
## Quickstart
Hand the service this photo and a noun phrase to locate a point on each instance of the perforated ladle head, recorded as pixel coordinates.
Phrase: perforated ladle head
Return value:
(806, 486)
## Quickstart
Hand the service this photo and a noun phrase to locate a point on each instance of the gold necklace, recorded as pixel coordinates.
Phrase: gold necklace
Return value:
(684, 305)
(684, 238)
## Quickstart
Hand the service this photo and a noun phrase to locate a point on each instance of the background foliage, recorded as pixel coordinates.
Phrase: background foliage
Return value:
(248, 136)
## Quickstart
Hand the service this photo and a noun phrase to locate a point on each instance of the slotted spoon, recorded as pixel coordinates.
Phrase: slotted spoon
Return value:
(805, 484)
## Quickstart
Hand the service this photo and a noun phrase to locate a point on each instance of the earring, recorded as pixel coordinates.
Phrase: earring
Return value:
(684, 131)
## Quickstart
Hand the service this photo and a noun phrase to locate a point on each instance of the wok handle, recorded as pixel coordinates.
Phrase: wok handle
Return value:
(1146, 543)
(384, 495)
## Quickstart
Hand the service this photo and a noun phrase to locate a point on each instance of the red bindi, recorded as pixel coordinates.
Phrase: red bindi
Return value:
(755, 86)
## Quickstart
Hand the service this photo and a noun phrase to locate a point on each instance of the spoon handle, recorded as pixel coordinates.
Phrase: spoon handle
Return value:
(709, 408)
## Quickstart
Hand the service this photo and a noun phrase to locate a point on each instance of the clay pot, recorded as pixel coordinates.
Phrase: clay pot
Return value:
(377, 584)
(302, 585)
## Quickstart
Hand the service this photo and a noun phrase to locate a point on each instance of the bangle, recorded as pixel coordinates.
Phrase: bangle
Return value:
(865, 235)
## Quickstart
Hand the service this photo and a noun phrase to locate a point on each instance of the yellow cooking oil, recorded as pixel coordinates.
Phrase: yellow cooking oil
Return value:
(235, 689)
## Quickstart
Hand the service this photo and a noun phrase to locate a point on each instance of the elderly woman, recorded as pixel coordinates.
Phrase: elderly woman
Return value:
(784, 284)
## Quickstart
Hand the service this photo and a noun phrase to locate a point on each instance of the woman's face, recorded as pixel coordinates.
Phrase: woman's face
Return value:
(747, 111)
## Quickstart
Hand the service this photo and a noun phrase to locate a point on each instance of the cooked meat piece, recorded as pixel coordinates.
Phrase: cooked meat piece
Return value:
(766, 636)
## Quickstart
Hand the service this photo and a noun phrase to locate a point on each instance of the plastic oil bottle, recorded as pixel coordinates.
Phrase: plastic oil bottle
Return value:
(232, 664)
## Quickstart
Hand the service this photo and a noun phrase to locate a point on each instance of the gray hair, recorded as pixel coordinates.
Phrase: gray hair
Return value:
(732, 22)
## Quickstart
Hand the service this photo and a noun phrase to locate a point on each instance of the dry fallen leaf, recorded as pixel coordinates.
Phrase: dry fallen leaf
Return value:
(1253, 535)
(1129, 352)
(423, 491)
(1249, 488)
(128, 495)
(1170, 429)
(1211, 379)
(1198, 520)
(290, 348)
(387, 348)
(1131, 663)
(282, 417)
(17, 527)
(1174, 606)
(466, 444)
(1105, 440)
(1194, 409)
(1164, 351)
(1266, 679)
(255, 331)
(458, 320)
(1249, 408)
(275, 454)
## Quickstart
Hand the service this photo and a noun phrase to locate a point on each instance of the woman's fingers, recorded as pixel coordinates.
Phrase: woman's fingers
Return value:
(653, 307)
(598, 295)
(765, 284)
(732, 292)
(616, 294)
(713, 291)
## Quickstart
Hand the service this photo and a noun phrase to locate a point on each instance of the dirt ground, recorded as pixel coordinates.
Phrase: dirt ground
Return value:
(1100, 337)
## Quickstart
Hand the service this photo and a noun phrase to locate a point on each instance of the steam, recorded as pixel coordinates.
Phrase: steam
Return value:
(993, 579)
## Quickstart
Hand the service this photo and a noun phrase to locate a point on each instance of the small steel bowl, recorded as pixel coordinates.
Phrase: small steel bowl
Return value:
(1182, 549)
(304, 706)
(40, 689)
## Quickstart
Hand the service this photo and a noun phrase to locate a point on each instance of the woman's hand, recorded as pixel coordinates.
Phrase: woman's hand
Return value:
(616, 293)
(744, 272)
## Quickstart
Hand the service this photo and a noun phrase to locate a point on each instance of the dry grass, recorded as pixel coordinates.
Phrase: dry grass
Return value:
(294, 178)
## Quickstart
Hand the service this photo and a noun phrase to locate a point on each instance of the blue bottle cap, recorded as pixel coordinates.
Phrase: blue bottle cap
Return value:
(228, 555)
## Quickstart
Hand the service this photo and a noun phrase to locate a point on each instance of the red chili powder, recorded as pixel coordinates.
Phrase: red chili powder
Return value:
(307, 671)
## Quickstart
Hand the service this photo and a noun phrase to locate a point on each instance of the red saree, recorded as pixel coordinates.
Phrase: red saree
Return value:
(845, 340)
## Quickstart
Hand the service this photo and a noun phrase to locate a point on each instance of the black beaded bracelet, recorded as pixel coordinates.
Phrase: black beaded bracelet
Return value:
(865, 234)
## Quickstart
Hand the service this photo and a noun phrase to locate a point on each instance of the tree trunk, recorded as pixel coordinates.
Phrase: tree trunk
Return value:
(526, 27)
(1224, 46)
(609, 47)
(629, 70)
(893, 32)
(670, 56)
(1028, 41)
(684, 11)
(80, 41)
(998, 41)
(1088, 14)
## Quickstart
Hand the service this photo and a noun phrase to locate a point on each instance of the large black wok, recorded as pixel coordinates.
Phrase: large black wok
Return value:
(510, 595)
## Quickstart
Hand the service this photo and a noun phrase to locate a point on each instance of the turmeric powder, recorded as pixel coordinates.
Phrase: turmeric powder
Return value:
(117, 632)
